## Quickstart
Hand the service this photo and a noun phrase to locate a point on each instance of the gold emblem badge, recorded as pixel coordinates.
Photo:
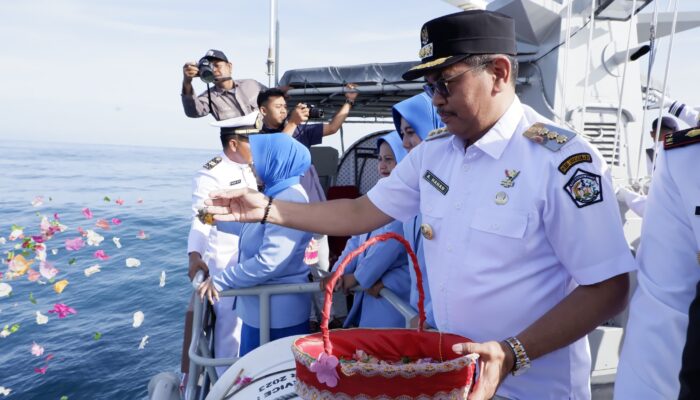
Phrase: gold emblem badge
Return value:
(424, 36)
(561, 139)
(426, 51)
(551, 135)
(501, 198)
(693, 133)
(427, 231)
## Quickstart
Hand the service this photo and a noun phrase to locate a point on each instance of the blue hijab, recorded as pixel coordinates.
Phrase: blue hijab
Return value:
(419, 112)
(279, 160)
(394, 141)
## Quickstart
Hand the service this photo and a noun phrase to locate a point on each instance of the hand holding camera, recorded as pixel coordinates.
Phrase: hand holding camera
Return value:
(189, 71)
(299, 115)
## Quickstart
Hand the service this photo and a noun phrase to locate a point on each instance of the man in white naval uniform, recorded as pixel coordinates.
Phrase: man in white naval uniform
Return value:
(669, 270)
(210, 249)
(524, 245)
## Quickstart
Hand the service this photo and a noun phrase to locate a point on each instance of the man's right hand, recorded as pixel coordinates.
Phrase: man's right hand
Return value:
(197, 264)
(189, 71)
(238, 205)
(299, 115)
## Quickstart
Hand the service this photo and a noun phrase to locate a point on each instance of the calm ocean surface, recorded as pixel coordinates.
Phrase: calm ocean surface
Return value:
(70, 178)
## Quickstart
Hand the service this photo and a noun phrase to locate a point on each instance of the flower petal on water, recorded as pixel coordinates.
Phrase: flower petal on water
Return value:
(59, 286)
(92, 270)
(138, 319)
(133, 262)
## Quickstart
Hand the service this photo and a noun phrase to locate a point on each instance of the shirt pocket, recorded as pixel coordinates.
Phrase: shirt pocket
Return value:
(509, 224)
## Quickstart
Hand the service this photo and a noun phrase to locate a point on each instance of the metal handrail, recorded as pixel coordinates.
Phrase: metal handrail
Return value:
(263, 292)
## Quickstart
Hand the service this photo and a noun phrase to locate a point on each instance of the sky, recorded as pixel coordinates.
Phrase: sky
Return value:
(110, 72)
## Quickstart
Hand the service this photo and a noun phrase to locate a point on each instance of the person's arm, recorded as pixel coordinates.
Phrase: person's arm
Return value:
(396, 196)
(297, 117)
(335, 218)
(274, 257)
(194, 106)
(380, 258)
(337, 121)
(562, 325)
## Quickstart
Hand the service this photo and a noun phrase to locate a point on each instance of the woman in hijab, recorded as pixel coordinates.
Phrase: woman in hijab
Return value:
(270, 254)
(381, 265)
(414, 118)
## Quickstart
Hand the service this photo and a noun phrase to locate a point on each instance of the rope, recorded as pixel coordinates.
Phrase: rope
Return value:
(663, 92)
(652, 59)
(622, 90)
(567, 43)
(588, 62)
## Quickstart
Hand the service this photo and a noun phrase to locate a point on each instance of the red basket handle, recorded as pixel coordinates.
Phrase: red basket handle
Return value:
(328, 299)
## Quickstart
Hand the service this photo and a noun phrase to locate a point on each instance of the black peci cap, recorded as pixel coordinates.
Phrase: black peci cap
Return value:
(213, 54)
(452, 38)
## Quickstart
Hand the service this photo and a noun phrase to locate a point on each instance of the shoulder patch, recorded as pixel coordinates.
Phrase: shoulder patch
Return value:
(212, 163)
(584, 188)
(682, 138)
(550, 136)
(572, 160)
(438, 133)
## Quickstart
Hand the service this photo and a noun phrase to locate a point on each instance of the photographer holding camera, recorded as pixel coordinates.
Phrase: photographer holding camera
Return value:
(273, 107)
(227, 99)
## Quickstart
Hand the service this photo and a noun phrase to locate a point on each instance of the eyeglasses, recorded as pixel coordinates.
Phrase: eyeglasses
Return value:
(440, 85)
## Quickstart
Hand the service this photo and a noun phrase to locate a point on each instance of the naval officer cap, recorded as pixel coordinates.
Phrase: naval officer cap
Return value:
(452, 38)
(250, 124)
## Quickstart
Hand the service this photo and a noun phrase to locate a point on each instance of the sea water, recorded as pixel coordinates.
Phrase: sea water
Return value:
(95, 353)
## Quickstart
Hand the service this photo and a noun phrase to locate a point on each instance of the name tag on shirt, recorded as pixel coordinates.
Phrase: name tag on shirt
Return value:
(236, 182)
(436, 182)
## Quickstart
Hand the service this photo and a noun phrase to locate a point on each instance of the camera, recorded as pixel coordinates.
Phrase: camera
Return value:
(316, 112)
(206, 70)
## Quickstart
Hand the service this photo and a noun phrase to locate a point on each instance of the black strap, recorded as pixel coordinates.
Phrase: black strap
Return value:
(211, 108)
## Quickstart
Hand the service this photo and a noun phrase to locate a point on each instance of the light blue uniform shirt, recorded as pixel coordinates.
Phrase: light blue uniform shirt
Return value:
(385, 261)
(269, 255)
(412, 233)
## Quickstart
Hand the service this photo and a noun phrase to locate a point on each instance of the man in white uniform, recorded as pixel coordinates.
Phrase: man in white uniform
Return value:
(211, 250)
(523, 238)
(669, 270)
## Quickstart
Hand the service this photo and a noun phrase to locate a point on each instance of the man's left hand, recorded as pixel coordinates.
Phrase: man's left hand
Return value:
(496, 360)
(351, 95)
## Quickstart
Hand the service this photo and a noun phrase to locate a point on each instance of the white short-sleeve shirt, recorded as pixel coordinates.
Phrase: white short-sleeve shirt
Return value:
(216, 247)
(667, 279)
(495, 267)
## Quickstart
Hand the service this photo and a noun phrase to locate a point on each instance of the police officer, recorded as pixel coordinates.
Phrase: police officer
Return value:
(669, 270)
(209, 249)
(523, 240)
(228, 98)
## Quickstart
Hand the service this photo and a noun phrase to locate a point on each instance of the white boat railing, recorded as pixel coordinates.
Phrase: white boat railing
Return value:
(199, 349)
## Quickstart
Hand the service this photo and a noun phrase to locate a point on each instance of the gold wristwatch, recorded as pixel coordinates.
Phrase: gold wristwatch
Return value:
(522, 361)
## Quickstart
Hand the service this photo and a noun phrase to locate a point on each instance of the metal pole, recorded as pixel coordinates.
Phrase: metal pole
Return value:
(264, 318)
(567, 47)
(277, 45)
(588, 62)
(632, 23)
(663, 92)
(271, 48)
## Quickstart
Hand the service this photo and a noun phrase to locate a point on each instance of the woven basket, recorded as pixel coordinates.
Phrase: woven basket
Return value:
(451, 377)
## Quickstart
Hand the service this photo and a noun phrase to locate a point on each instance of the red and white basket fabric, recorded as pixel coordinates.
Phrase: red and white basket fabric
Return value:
(402, 373)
